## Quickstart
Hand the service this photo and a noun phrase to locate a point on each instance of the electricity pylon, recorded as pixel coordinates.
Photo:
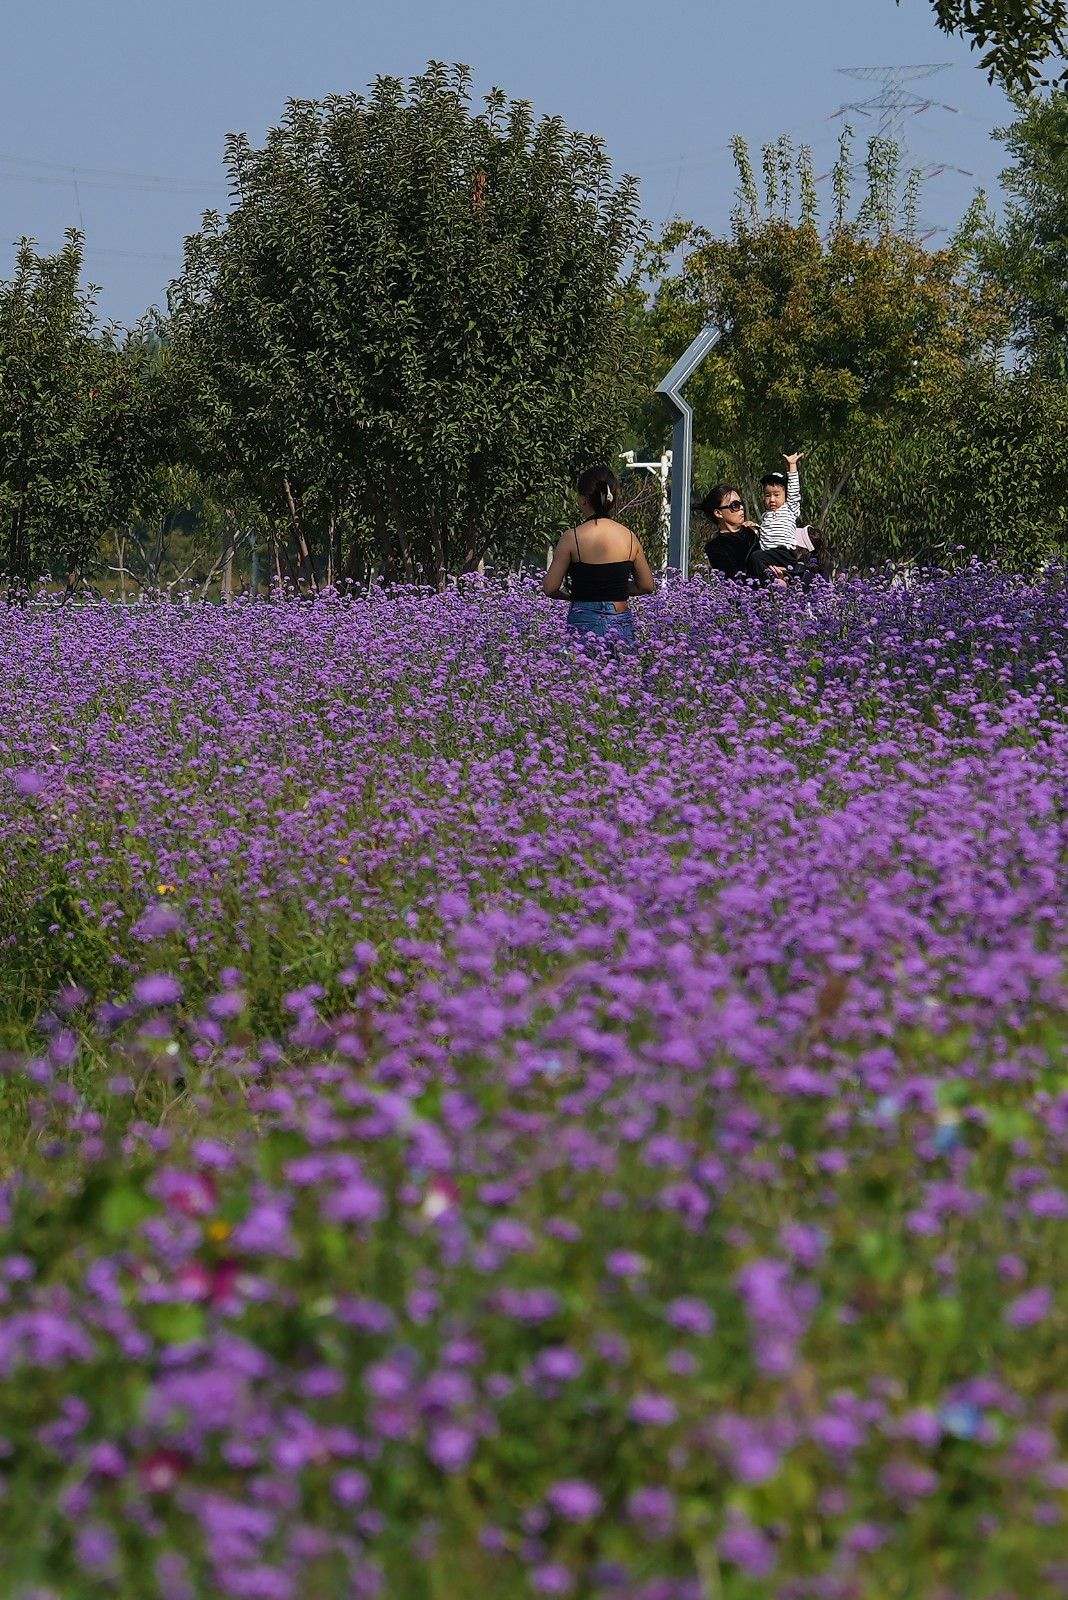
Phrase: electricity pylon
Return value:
(895, 102)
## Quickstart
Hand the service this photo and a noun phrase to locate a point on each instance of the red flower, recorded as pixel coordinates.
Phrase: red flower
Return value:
(223, 1281)
(160, 1470)
(194, 1194)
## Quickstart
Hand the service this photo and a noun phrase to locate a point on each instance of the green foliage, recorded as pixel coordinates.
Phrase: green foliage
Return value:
(408, 331)
(182, 522)
(50, 941)
(1018, 36)
(983, 476)
(76, 416)
(842, 342)
(416, 322)
(997, 468)
(1029, 254)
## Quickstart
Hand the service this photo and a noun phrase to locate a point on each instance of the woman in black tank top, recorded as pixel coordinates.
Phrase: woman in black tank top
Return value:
(601, 562)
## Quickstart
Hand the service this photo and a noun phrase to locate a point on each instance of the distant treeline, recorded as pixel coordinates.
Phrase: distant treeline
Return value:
(419, 318)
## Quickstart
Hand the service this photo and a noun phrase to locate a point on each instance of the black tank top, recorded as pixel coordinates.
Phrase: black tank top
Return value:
(599, 580)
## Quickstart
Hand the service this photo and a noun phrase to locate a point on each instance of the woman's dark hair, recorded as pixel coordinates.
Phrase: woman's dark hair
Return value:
(716, 496)
(600, 486)
(775, 480)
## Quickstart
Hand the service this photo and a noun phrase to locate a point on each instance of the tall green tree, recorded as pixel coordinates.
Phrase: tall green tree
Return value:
(833, 338)
(1029, 252)
(994, 465)
(408, 331)
(1022, 39)
(76, 410)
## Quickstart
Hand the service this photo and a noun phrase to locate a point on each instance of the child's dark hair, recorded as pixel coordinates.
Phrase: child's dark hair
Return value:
(773, 480)
(600, 486)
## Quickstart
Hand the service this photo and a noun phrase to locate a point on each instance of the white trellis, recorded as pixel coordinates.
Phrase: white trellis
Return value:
(661, 471)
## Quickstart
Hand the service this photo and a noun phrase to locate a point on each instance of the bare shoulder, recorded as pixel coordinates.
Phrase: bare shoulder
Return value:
(620, 531)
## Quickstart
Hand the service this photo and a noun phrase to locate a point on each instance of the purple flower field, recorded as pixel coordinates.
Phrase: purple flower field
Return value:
(485, 1117)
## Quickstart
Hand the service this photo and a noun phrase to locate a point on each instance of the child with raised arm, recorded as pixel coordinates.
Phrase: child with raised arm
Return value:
(782, 504)
(781, 541)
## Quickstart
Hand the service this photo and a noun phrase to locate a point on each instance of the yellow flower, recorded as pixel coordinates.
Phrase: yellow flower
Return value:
(218, 1230)
(165, 888)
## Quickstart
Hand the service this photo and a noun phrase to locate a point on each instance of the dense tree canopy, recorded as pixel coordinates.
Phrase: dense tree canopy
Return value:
(832, 339)
(1020, 38)
(1029, 254)
(77, 413)
(417, 320)
(404, 335)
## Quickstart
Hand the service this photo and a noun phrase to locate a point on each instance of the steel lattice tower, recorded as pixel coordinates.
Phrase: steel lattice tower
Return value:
(895, 102)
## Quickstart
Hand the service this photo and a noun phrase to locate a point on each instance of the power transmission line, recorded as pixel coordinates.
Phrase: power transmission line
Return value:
(18, 169)
(59, 173)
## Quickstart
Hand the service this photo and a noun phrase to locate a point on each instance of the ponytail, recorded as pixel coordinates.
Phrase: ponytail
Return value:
(600, 486)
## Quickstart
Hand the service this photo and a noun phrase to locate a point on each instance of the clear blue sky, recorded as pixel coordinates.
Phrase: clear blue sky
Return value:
(138, 97)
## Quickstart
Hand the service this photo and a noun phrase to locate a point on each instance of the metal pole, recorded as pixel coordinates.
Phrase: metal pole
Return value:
(681, 479)
(682, 447)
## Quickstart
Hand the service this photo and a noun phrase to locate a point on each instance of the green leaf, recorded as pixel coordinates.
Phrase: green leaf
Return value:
(176, 1323)
(123, 1209)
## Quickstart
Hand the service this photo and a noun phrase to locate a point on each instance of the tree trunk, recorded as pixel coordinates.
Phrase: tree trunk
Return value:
(18, 555)
(228, 560)
(283, 558)
(302, 543)
(475, 552)
(435, 573)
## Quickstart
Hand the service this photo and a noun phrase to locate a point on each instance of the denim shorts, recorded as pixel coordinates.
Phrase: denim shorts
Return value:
(600, 619)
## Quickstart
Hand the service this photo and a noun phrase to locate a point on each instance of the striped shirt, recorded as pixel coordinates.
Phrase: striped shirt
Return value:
(779, 527)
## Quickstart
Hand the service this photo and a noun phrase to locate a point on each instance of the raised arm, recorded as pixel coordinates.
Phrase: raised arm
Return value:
(554, 578)
(793, 482)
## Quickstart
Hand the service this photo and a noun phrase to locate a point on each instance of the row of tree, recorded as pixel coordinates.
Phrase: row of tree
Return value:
(416, 320)
(928, 386)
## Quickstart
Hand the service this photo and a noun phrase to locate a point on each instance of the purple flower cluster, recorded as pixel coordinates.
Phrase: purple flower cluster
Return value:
(492, 1116)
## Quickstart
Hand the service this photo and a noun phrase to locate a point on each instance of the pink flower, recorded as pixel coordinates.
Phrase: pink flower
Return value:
(442, 1196)
(158, 989)
(1030, 1308)
(574, 1500)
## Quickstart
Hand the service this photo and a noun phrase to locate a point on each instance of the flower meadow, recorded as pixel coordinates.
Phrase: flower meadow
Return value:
(490, 1116)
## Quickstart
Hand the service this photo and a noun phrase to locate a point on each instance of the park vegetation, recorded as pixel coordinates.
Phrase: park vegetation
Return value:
(1024, 41)
(488, 1117)
(460, 1141)
(418, 318)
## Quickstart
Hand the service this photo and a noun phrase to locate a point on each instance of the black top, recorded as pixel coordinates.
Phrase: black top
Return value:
(599, 580)
(730, 553)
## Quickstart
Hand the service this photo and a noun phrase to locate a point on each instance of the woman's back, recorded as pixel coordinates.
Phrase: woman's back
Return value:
(600, 561)
(602, 540)
(602, 565)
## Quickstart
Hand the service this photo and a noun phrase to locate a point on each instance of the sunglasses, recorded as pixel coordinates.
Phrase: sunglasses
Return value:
(730, 505)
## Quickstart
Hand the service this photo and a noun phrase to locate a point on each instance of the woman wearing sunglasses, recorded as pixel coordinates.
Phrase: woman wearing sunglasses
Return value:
(735, 542)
